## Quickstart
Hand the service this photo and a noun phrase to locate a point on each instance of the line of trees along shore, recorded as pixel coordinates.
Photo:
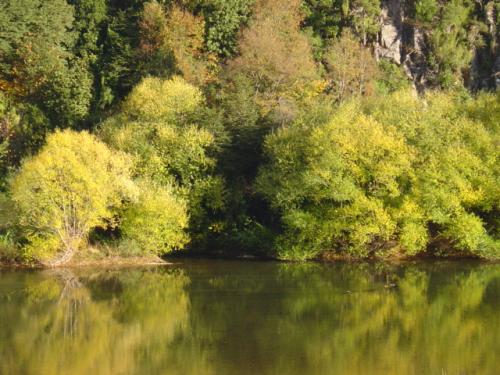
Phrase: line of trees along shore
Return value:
(248, 126)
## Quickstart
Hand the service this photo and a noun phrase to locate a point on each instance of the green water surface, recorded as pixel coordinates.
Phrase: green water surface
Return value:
(235, 317)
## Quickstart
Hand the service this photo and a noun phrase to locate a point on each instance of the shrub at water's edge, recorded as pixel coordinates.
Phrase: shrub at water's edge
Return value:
(393, 175)
(75, 185)
(156, 223)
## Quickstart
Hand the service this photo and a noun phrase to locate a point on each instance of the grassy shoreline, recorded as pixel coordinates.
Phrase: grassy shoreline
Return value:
(92, 258)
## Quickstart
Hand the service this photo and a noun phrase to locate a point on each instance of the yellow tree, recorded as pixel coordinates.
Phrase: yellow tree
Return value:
(161, 124)
(72, 186)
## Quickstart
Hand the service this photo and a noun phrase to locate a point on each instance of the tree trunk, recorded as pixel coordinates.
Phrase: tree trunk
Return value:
(61, 258)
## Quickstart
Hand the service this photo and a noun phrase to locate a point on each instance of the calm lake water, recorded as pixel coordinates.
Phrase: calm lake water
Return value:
(231, 317)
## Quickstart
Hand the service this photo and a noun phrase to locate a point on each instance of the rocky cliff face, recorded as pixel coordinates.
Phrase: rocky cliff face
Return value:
(390, 40)
(402, 41)
(492, 20)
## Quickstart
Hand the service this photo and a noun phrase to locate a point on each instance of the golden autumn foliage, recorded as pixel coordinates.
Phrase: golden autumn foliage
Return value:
(73, 185)
(274, 53)
(351, 68)
(162, 100)
(179, 34)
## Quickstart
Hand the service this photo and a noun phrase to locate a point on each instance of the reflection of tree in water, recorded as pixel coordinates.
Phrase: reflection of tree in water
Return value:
(254, 318)
(69, 324)
(351, 319)
(433, 321)
(73, 297)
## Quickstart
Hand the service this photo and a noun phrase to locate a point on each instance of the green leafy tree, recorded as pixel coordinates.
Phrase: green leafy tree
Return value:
(23, 129)
(9, 120)
(118, 64)
(392, 77)
(329, 164)
(453, 32)
(223, 21)
(34, 36)
(90, 20)
(37, 60)
(156, 223)
(390, 174)
(160, 124)
(364, 16)
(90, 23)
(426, 10)
(328, 18)
(325, 17)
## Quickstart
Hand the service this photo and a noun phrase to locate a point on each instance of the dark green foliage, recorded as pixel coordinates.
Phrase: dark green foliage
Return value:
(325, 17)
(329, 17)
(46, 84)
(90, 16)
(37, 59)
(243, 123)
(34, 26)
(118, 62)
(391, 78)
(453, 30)
(223, 21)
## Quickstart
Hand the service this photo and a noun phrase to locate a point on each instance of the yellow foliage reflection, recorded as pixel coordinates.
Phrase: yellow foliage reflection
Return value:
(216, 317)
(66, 326)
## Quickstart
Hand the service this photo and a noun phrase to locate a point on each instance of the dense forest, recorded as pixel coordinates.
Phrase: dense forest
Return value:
(296, 129)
